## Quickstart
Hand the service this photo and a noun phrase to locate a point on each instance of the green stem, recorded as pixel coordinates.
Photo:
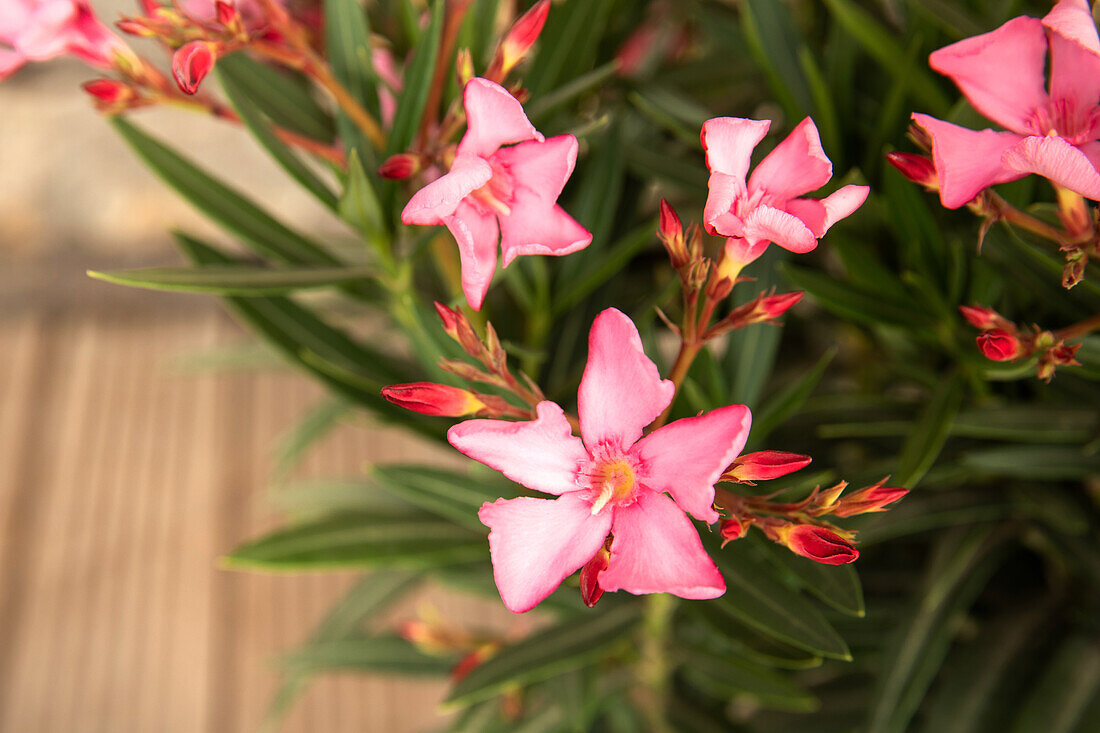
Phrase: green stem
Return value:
(654, 668)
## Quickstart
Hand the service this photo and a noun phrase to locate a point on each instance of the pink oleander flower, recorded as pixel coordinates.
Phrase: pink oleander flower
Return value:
(1052, 132)
(39, 30)
(768, 206)
(501, 193)
(612, 482)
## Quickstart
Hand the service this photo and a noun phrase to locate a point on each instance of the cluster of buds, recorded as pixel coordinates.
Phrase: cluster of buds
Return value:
(798, 526)
(1003, 340)
(431, 636)
(429, 398)
(684, 247)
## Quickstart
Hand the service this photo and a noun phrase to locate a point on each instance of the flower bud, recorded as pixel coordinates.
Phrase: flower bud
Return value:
(917, 168)
(111, 92)
(773, 306)
(472, 660)
(764, 465)
(428, 398)
(983, 318)
(150, 6)
(590, 577)
(457, 327)
(998, 345)
(400, 166)
(818, 543)
(732, 529)
(1074, 271)
(523, 35)
(826, 498)
(671, 233)
(191, 63)
(872, 499)
(464, 66)
(229, 16)
(1064, 354)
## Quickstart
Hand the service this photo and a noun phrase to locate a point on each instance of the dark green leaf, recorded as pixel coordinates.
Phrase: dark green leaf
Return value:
(237, 280)
(730, 677)
(418, 82)
(617, 256)
(787, 402)
(849, 302)
(1038, 462)
(836, 585)
(774, 43)
(929, 433)
(348, 44)
(1069, 684)
(389, 654)
(448, 494)
(360, 207)
(288, 103)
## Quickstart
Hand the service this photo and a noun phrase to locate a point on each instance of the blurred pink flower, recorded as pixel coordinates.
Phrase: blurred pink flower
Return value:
(38, 30)
(612, 482)
(767, 207)
(1050, 132)
(501, 193)
(251, 11)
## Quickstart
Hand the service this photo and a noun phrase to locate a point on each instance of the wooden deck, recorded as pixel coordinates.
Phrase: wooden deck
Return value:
(122, 480)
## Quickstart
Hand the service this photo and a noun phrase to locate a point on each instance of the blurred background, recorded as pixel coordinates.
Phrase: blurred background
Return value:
(137, 435)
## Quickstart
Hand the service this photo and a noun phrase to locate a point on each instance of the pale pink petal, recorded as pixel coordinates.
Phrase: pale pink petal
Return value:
(541, 454)
(1072, 19)
(820, 214)
(541, 166)
(729, 142)
(493, 118)
(742, 251)
(796, 166)
(722, 193)
(1092, 152)
(535, 544)
(441, 197)
(14, 17)
(1074, 84)
(537, 228)
(967, 161)
(48, 32)
(1000, 72)
(477, 236)
(657, 550)
(1057, 160)
(766, 224)
(10, 62)
(621, 390)
(685, 458)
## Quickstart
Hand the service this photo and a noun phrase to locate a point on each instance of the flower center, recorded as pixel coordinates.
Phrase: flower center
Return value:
(496, 195)
(611, 481)
(1063, 118)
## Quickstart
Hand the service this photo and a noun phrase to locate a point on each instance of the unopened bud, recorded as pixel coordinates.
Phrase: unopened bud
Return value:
(827, 497)
(136, 28)
(229, 16)
(523, 35)
(590, 577)
(464, 66)
(458, 327)
(818, 544)
(765, 465)
(773, 306)
(472, 660)
(1064, 354)
(998, 345)
(428, 398)
(732, 529)
(191, 63)
(150, 6)
(400, 166)
(671, 233)
(111, 92)
(872, 499)
(917, 168)
(983, 318)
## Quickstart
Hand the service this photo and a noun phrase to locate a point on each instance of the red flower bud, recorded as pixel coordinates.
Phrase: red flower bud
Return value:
(773, 306)
(670, 222)
(400, 166)
(523, 35)
(983, 318)
(872, 499)
(590, 577)
(764, 465)
(1064, 354)
(110, 91)
(732, 529)
(191, 63)
(457, 327)
(671, 233)
(917, 168)
(228, 15)
(819, 544)
(428, 398)
(998, 345)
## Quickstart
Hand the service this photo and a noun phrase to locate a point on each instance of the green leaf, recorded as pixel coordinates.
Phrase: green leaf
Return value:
(929, 433)
(1037, 462)
(756, 598)
(238, 280)
(389, 654)
(348, 44)
(853, 303)
(729, 677)
(886, 50)
(546, 103)
(288, 103)
(448, 494)
(836, 585)
(616, 258)
(223, 204)
(360, 207)
(283, 155)
(317, 423)
(787, 402)
(552, 651)
(418, 83)
(568, 44)
(1069, 684)
(774, 43)
(357, 540)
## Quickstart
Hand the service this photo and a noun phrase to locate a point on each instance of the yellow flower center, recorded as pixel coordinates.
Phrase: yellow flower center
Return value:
(614, 480)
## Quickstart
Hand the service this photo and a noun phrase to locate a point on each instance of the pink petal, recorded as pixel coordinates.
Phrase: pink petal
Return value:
(1000, 72)
(820, 214)
(796, 166)
(723, 191)
(493, 118)
(535, 544)
(541, 166)
(1072, 19)
(10, 62)
(1074, 84)
(477, 236)
(729, 142)
(657, 550)
(772, 225)
(1055, 159)
(741, 251)
(621, 390)
(967, 161)
(48, 31)
(441, 197)
(535, 228)
(541, 454)
(686, 458)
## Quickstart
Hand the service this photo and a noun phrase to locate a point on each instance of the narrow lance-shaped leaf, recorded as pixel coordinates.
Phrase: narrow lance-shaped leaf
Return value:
(418, 82)
(929, 434)
(349, 54)
(287, 102)
(237, 280)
